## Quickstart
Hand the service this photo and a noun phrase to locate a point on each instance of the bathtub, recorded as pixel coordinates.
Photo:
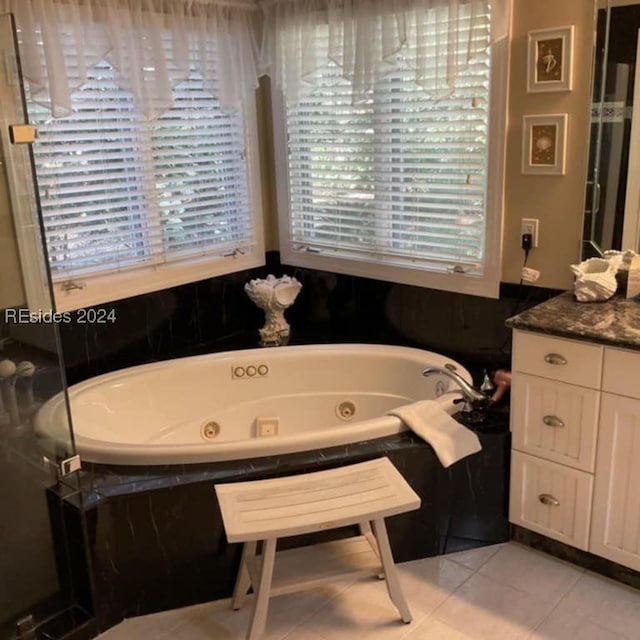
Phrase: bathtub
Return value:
(245, 404)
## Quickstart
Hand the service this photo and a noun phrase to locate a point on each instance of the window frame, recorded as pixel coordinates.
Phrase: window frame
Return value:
(106, 287)
(488, 284)
(141, 280)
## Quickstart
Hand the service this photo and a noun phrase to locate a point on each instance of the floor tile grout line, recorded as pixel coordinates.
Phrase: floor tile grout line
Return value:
(593, 574)
(136, 620)
(581, 572)
(453, 591)
(509, 586)
(168, 633)
(327, 602)
(497, 548)
(465, 636)
(473, 573)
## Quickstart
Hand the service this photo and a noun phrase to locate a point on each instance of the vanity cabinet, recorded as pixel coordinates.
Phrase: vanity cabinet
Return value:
(555, 399)
(575, 421)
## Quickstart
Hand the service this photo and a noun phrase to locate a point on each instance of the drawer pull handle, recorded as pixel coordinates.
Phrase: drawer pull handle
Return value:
(548, 500)
(555, 358)
(553, 421)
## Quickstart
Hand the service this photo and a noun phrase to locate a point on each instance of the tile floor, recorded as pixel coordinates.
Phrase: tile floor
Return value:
(502, 592)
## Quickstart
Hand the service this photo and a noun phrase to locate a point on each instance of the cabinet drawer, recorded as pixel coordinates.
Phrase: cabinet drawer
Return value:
(555, 420)
(550, 499)
(621, 372)
(565, 360)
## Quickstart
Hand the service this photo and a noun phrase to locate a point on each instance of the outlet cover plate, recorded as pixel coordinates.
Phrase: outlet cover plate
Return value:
(530, 225)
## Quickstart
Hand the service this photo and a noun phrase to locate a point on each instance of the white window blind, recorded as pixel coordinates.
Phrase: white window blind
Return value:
(398, 181)
(121, 194)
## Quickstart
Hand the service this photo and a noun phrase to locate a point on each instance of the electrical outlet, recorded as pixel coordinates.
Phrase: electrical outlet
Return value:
(530, 225)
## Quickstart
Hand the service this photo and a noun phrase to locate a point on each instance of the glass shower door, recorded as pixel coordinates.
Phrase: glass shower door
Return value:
(34, 565)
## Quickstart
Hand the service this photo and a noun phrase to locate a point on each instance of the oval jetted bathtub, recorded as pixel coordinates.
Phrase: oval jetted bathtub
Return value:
(246, 404)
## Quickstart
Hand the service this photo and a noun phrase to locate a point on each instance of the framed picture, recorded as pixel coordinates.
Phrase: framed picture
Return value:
(544, 141)
(550, 60)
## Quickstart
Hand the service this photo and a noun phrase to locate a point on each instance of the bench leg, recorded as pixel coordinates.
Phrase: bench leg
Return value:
(390, 573)
(243, 581)
(259, 617)
(365, 530)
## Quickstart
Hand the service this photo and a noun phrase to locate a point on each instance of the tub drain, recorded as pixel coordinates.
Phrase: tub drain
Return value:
(346, 410)
(210, 430)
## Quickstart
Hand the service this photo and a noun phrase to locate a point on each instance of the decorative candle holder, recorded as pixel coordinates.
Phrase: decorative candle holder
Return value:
(273, 295)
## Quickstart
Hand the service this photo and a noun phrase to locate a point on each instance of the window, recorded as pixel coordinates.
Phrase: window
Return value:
(131, 204)
(404, 185)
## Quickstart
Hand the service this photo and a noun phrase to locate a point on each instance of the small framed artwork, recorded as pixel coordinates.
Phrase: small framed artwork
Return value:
(544, 141)
(550, 60)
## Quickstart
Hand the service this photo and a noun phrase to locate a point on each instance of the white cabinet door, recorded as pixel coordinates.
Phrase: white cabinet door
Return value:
(615, 530)
(621, 372)
(550, 499)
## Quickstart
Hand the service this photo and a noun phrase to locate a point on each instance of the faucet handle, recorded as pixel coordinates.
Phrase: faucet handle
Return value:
(486, 385)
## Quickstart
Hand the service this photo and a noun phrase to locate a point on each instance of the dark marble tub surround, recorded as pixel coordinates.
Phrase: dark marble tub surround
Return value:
(216, 315)
(155, 541)
(613, 322)
(206, 316)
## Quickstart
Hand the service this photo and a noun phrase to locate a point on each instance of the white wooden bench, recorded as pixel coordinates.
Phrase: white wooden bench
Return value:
(264, 510)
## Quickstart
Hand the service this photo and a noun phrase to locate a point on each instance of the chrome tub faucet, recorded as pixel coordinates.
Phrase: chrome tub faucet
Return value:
(470, 395)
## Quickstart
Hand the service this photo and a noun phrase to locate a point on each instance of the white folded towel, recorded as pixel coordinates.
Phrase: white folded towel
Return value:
(450, 440)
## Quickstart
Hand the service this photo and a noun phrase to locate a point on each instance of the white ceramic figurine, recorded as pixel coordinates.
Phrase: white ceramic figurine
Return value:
(273, 295)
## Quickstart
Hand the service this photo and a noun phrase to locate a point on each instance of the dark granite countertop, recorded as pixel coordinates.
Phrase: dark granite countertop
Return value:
(614, 322)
